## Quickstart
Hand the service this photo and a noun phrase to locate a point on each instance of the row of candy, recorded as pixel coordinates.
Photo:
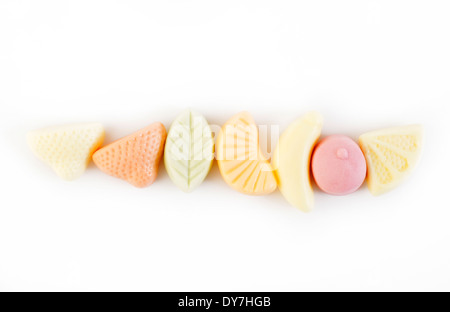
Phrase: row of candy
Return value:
(338, 164)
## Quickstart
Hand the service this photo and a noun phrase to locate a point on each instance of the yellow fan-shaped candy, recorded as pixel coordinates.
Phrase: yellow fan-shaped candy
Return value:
(241, 162)
(391, 155)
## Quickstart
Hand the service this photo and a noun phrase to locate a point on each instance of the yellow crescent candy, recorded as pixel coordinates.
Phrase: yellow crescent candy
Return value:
(292, 158)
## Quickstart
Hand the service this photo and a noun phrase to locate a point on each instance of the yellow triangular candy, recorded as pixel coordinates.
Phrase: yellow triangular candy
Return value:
(67, 149)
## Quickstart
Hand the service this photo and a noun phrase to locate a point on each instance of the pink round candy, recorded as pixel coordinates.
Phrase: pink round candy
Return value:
(338, 165)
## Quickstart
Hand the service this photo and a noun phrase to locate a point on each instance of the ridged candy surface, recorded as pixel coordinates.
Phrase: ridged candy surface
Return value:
(391, 155)
(241, 162)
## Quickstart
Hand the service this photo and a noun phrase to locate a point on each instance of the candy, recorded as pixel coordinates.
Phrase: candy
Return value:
(189, 151)
(241, 162)
(67, 149)
(338, 165)
(134, 158)
(291, 160)
(391, 155)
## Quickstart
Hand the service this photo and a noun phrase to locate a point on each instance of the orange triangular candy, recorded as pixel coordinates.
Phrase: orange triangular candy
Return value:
(134, 158)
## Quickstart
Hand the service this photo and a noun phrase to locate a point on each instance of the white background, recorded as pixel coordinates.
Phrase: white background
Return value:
(364, 64)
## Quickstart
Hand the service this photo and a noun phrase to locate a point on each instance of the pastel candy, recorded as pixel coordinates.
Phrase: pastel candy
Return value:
(391, 154)
(241, 162)
(134, 158)
(292, 157)
(189, 151)
(67, 149)
(338, 165)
